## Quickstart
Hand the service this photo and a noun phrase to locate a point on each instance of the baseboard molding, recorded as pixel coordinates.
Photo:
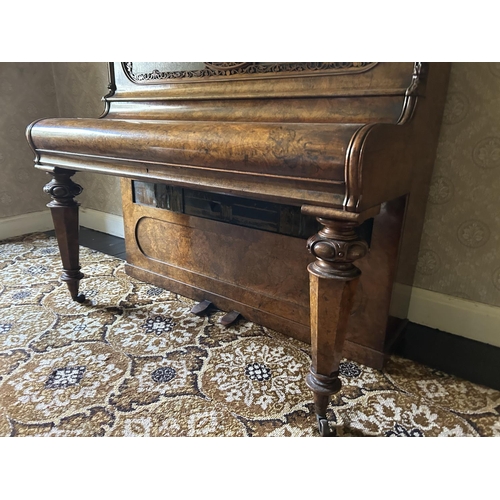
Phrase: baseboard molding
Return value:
(18, 225)
(452, 354)
(472, 320)
(102, 221)
(34, 222)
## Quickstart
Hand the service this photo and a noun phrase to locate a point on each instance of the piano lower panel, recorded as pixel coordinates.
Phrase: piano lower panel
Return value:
(261, 274)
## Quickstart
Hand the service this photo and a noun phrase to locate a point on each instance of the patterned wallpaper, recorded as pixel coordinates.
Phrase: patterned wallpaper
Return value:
(460, 248)
(459, 253)
(27, 93)
(79, 89)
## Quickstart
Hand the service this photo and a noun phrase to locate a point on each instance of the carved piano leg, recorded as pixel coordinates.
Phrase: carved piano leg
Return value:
(64, 211)
(333, 281)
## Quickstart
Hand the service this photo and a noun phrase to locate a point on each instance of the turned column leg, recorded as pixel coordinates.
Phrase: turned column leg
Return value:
(64, 210)
(333, 281)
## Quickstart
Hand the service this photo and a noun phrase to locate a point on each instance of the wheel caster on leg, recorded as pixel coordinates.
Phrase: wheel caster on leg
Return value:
(80, 298)
(323, 427)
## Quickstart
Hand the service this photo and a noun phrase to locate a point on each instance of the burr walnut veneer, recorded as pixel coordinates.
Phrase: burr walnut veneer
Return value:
(230, 169)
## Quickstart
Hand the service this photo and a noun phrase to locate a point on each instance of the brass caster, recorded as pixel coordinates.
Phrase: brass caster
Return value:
(323, 427)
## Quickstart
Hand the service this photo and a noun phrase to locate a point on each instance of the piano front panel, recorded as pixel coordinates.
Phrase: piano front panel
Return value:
(182, 81)
(367, 109)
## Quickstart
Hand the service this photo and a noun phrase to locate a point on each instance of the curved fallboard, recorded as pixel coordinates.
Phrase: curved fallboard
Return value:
(304, 158)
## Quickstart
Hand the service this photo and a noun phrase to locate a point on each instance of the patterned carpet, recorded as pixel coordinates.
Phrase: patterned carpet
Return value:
(133, 361)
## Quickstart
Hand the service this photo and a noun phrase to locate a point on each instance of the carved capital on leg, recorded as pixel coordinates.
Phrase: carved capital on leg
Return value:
(62, 189)
(336, 247)
(64, 210)
(333, 281)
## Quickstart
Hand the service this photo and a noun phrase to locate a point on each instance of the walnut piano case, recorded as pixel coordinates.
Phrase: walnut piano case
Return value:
(229, 168)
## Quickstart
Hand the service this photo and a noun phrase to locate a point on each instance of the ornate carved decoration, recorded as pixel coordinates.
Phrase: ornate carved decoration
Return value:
(225, 69)
(62, 189)
(111, 89)
(226, 66)
(336, 247)
(419, 70)
(419, 74)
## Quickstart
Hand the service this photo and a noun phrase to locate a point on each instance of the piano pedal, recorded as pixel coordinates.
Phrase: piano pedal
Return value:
(229, 318)
(201, 308)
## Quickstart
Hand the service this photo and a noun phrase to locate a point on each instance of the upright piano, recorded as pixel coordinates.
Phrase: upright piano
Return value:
(230, 170)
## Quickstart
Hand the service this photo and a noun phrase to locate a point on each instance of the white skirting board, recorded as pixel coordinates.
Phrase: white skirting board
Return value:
(102, 221)
(473, 320)
(42, 221)
(33, 222)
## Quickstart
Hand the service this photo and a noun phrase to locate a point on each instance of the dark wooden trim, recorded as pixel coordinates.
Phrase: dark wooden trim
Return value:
(102, 242)
(459, 356)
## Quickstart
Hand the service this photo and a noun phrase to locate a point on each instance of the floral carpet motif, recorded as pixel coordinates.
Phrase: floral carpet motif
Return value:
(133, 361)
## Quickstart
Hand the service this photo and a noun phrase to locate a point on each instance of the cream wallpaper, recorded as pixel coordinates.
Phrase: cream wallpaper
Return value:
(27, 93)
(460, 248)
(79, 89)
